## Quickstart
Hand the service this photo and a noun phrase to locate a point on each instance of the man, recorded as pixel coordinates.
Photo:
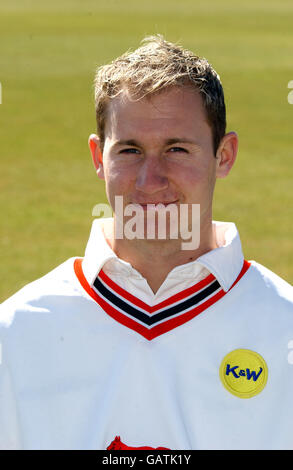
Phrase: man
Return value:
(144, 342)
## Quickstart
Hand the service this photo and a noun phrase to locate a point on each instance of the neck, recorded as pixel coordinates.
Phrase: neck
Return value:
(154, 259)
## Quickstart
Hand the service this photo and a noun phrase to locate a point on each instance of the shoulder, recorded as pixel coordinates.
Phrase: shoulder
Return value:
(39, 296)
(270, 281)
(262, 286)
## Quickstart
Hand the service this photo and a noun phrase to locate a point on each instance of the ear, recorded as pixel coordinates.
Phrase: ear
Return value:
(97, 155)
(226, 154)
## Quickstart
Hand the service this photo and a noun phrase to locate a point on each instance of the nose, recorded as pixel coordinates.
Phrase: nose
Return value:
(151, 177)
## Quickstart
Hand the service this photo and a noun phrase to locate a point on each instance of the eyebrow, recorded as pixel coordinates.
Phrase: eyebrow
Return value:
(175, 140)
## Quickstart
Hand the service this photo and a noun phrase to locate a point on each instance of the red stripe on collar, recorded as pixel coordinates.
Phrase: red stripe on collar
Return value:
(163, 327)
(165, 303)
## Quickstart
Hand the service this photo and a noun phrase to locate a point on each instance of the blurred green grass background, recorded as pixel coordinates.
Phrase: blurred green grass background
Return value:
(48, 55)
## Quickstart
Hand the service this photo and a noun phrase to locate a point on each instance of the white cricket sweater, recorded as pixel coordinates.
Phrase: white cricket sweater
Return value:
(88, 353)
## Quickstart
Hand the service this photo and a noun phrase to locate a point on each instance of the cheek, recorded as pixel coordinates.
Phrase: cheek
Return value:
(197, 181)
(193, 175)
(118, 182)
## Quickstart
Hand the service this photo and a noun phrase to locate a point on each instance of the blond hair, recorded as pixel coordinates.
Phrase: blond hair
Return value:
(154, 67)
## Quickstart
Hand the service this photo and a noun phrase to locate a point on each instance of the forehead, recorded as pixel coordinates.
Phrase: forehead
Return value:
(179, 110)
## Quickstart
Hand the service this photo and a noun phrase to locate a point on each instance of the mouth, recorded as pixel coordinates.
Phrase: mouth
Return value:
(155, 205)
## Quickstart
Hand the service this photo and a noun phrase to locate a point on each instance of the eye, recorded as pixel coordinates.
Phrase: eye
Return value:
(177, 149)
(129, 150)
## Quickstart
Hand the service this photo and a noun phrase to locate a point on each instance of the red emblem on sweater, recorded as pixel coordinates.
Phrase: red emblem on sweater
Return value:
(117, 444)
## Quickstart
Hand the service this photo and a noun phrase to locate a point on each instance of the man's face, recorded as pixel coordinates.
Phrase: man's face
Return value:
(159, 150)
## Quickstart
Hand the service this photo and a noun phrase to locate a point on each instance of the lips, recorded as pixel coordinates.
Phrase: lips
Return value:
(156, 203)
(153, 205)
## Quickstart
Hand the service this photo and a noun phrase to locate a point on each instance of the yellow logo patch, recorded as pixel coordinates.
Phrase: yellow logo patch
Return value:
(244, 373)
